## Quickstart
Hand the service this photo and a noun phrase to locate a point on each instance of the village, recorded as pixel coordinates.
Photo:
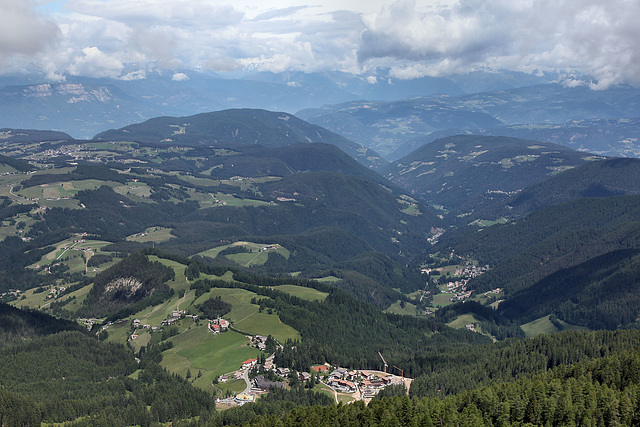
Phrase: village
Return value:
(346, 385)
(455, 282)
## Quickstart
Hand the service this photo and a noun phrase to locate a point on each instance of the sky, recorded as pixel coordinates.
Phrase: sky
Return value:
(592, 42)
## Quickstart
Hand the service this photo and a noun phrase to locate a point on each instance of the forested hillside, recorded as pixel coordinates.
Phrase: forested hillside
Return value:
(237, 127)
(464, 173)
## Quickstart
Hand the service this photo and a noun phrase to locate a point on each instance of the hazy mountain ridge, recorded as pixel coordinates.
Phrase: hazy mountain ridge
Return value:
(241, 127)
(95, 105)
(597, 121)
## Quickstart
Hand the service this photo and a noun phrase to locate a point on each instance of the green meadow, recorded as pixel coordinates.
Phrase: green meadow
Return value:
(309, 294)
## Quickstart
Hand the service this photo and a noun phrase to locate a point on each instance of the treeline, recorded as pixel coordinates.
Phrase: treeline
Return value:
(109, 213)
(56, 373)
(18, 324)
(73, 378)
(279, 401)
(453, 369)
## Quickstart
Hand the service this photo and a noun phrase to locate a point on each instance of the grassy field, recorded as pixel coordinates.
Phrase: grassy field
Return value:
(73, 256)
(152, 234)
(461, 321)
(328, 279)
(246, 317)
(255, 256)
(63, 188)
(309, 294)
(409, 309)
(212, 355)
(136, 191)
(441, 300)
(231, 200)
(544, 326)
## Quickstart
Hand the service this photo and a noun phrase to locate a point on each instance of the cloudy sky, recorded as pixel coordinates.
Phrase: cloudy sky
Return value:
(128, 39)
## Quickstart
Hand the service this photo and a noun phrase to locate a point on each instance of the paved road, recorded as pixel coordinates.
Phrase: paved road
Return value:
(245, 377)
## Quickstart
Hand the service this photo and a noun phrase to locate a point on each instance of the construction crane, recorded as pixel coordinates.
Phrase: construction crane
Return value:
(383, 361)
(401, 371)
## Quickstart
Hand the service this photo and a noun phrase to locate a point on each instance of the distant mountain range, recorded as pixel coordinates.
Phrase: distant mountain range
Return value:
(84, 107)
(603, 122)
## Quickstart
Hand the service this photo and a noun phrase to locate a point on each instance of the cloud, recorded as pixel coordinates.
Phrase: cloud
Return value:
(576, 36)
(179, 77)
(23, 31)
(410, 38)
(94, 63)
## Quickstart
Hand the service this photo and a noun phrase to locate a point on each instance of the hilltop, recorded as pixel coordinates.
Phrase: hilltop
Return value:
(237, 127)
(462, 173)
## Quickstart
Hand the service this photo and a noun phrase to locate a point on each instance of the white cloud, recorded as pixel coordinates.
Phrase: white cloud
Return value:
(23, 32)
(584, 36)
(412, 38)
(95, 63)
(179, 77)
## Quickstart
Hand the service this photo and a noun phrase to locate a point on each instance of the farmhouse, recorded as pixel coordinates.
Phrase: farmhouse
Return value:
(218, 325)
(249, 363)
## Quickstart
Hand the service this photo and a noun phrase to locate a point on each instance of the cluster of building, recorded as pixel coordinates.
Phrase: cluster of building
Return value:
(350, 381)
(219, 325)
(175, 316)
(53, 293)
(258, 341)
(11, 292)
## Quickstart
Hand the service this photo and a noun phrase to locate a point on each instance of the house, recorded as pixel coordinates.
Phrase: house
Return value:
(343, 385)
(282, 372)
(224, 324)
(339, 373)
(249, 363)
(214, 328)
(367, 375)
(223, 378)
(136, 323)
(304, 376)
(264, 384)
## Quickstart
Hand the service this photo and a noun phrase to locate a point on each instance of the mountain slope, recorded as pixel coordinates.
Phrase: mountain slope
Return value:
(464, 172)
(601, 293)
(383, 126)
(237, 127)
(524, 252)
(609, 177)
